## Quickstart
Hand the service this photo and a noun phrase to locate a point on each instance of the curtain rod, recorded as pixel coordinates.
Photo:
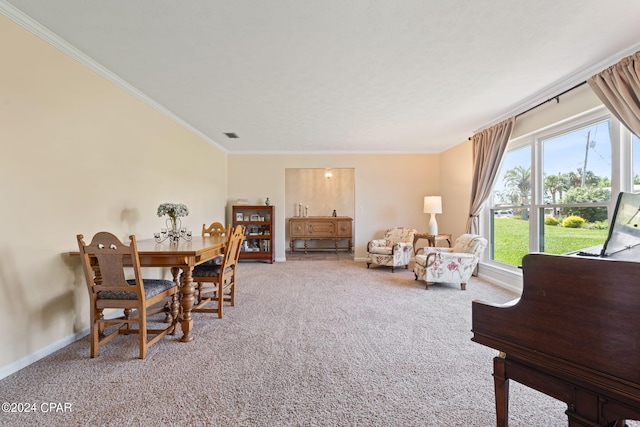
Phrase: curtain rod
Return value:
(557, 98)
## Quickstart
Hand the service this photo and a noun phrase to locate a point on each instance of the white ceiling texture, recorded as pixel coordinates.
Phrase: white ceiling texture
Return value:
(338, 76)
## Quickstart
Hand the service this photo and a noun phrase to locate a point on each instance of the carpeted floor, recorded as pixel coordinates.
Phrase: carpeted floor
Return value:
(309, 343)
(319, 255)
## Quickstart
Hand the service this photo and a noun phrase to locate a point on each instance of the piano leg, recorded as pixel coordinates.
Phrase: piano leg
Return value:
(501, 386)
(578, 421)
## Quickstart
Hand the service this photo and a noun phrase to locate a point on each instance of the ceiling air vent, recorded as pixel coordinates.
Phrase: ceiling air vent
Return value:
(231, 135)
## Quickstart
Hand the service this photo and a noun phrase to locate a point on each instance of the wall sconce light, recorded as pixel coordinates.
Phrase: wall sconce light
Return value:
(328, 174)
(433, 206)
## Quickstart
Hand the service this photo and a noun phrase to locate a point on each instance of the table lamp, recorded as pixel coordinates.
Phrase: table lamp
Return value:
(433, 206)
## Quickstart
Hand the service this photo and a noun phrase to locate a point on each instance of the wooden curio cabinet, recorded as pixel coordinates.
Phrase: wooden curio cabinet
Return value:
(258, 230)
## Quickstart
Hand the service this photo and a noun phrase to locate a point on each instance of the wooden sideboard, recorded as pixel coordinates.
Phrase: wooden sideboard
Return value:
(321, 228)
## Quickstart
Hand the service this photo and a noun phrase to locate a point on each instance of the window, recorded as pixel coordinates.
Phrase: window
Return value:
(511, 193)
(636, 164)
(556, 186)
(576, 188)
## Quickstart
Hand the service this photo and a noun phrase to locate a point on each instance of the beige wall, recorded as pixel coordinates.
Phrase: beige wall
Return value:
(310, 191)
(80, 155)
(389, 189)
(456, 173)
(322, 195)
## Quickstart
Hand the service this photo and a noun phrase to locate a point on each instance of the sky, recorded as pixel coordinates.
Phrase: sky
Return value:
(566, 153)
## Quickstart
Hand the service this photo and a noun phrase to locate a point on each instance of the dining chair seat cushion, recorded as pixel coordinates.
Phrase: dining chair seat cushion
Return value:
(152, 287)
(216, 261)
(205, 270)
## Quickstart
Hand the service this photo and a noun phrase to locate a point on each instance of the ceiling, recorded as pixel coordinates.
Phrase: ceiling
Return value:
(339, 76)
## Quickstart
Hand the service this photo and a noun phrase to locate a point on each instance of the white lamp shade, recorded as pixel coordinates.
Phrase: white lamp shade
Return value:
(433, 204)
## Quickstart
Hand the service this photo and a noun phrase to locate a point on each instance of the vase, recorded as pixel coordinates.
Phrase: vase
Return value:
(173, 226)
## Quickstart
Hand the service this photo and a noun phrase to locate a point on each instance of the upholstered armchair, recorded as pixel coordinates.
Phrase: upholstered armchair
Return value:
(394, 250)
(450, 265)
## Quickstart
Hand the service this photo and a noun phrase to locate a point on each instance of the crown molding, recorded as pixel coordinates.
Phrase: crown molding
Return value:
(28, 23)
(561, 86)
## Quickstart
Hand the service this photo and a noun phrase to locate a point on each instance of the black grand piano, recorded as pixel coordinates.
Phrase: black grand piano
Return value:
(574, 332)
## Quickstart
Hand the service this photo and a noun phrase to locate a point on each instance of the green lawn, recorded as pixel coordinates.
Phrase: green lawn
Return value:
(511, 241)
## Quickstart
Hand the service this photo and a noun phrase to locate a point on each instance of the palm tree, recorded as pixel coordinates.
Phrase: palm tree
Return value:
(591, 179)
(575, 178)
(519, 179)
(556, 184)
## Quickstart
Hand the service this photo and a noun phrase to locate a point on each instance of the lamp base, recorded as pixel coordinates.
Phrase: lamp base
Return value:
(433, 225)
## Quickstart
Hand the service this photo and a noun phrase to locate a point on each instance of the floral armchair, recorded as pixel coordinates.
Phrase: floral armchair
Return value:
(450, 265)
(394, 250)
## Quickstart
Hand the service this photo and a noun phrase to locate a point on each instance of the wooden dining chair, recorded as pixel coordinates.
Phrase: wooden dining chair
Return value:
(222, 276)
(215, 229)
(104, 261)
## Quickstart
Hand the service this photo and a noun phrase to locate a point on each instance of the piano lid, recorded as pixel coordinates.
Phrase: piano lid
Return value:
(623, 242)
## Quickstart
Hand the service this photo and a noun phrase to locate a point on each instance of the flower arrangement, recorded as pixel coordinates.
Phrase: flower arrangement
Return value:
(174, 230)
(174, 210)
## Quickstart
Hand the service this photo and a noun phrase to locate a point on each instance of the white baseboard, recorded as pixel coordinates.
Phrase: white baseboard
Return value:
(502, 277)
(11, 368)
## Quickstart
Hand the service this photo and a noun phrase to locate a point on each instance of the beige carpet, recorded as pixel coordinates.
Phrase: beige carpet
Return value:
(319, 255)
(310, 343)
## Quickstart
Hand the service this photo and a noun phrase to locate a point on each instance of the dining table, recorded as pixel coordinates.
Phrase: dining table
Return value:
(180, 256)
